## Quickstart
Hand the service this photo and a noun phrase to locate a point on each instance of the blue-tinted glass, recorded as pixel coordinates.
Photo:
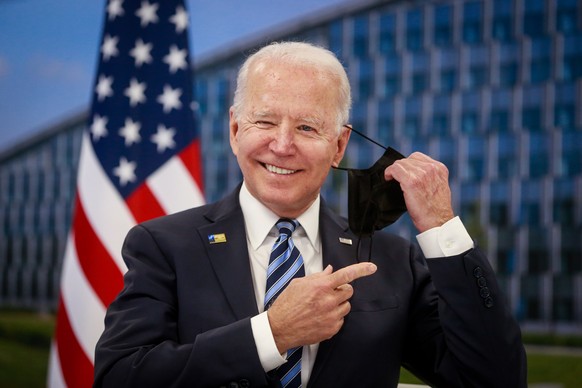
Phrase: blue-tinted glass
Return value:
(472, 16)
(419, 83)
(387, 39)
(531, 118)
(499, 120)
(508, 74)
(534, 24)
(202, 96)
(572, 67)
(540, 70)
(571, 156)
(564, 115)
(440, 125)
(477, 77)
(448, 80)
(414, 30)
(411, 127)
(566, 17)
(336, 37)
(469, 122)
(443, 30)
(360, 37)
(391, 85)
(365, 79)
(539, 158)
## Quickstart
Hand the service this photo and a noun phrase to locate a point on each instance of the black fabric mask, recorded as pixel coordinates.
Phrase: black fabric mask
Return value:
(373, 202)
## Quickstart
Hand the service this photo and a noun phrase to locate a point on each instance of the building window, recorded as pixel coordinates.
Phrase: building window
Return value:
(360, 36)
(336, 35)
(443, 25)
(566, 16)
(448, 80)
(508, 74)
(502, 28)
(499, 121)
(477, 77)
(414, 30)
(531, 118)
(534, 23)
(387, 39)
(472, 28)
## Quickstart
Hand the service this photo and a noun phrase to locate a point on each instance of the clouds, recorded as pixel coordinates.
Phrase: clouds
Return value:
(45, 67)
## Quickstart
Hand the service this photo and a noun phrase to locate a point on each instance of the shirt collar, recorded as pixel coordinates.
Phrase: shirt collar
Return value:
(264, 219)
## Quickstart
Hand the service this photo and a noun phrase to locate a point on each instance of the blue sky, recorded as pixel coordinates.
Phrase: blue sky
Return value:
(48, 50)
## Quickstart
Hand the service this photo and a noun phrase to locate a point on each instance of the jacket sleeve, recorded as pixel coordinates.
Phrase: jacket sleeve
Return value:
(462, 332)
(141, 345)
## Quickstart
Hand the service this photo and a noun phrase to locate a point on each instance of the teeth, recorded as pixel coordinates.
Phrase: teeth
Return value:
(278, 170)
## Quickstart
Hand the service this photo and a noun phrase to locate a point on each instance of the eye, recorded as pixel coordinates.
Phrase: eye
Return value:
(263, 124)
(306, 128)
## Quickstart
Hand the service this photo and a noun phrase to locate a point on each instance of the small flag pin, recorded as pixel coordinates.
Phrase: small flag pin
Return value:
(347, 241)
(217, 238)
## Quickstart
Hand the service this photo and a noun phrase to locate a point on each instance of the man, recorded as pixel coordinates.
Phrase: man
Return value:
(193, 311)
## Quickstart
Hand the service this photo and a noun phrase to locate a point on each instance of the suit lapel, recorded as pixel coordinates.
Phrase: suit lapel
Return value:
(229, 255)
(338, 253)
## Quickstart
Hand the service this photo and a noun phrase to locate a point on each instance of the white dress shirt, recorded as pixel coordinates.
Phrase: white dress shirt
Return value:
(261, 232)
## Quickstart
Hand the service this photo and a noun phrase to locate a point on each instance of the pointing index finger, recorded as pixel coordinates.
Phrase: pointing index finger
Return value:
(350, 273)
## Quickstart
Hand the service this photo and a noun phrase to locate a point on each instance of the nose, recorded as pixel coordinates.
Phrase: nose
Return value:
(283, 141)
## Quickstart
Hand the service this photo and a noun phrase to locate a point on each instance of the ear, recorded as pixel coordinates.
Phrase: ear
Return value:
(233, 130)
(342, 143)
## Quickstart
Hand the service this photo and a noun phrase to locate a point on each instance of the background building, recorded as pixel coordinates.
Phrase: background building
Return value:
(491, 88)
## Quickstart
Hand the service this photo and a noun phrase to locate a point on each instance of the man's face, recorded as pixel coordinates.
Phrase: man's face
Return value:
(287, 137)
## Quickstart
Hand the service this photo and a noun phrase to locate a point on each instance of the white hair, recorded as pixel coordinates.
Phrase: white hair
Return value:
(303, 54)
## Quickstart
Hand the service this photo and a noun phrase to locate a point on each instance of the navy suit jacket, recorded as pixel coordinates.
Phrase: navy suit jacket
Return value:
(183, 317)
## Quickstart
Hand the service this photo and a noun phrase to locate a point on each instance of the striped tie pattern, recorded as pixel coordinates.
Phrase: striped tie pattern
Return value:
(285, 264)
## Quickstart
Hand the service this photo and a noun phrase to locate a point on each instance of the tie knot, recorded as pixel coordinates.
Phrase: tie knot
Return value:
(286, 226)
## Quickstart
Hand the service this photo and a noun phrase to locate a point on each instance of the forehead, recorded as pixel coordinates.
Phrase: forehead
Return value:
(302, 88)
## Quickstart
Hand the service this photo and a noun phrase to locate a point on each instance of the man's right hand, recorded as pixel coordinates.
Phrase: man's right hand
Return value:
(312, 308)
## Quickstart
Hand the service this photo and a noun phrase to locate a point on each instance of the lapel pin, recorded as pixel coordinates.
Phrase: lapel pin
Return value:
(217, 238)
(347, 241)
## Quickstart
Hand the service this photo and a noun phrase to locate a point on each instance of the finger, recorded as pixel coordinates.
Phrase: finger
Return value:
(350, 273)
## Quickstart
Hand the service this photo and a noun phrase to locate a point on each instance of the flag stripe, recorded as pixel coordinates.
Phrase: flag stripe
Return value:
(107, 213)
(85, 309)
(55, 376)
(70, 353)
(191, 156)
(174, 187)
(144, 204)
(97, 264)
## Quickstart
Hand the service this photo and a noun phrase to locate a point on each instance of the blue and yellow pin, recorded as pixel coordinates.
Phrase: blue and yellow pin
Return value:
(217, 238)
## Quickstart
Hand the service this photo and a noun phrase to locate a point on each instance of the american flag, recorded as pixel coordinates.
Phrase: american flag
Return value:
(140, 158)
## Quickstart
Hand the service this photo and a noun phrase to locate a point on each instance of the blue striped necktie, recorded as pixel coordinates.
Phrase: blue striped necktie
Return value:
(285, 264)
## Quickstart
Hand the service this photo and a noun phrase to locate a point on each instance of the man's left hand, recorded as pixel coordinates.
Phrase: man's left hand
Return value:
(425, 183)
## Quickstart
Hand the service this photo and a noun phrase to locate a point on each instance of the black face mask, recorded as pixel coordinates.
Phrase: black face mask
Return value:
(373, 202)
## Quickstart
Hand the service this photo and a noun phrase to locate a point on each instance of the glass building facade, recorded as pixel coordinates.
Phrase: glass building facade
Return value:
(493, 89)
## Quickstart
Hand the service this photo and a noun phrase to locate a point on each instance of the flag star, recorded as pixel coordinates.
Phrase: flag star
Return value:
(109, 47)
(176, 59)
(164, 138)
(180, 19)
(115, 9)
(130, 131)
(136, 92)
(170, 98)
(147, 13)
(125, 171)
(141, 52)
(103, 88)
(99, 127)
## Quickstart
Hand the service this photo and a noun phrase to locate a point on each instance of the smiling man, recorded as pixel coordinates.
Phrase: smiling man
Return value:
(279, 298)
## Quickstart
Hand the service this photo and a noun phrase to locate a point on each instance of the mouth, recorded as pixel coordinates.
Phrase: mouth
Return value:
(278, 170)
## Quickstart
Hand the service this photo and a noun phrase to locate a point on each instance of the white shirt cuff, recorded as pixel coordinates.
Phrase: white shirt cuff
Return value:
(449, 239)
(267, 349)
